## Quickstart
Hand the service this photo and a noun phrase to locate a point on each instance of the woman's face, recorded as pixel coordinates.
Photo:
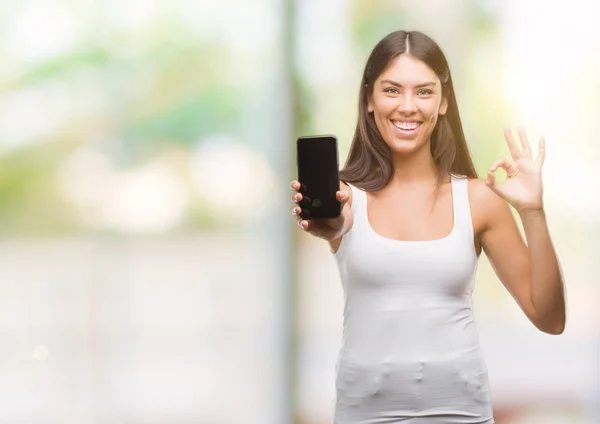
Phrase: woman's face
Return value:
(405, 102)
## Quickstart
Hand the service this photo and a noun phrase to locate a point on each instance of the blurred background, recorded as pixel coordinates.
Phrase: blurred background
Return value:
(150, 270)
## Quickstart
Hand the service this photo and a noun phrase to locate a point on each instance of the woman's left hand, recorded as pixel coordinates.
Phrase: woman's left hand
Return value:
(523, 185)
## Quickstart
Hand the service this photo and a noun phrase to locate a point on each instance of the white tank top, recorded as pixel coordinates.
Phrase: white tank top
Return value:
(410, 350)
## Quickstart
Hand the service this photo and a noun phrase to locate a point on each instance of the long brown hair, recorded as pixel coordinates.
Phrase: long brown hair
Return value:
(369, 163)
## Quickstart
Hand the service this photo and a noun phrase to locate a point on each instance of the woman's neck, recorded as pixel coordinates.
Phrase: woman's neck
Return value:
(415, 168)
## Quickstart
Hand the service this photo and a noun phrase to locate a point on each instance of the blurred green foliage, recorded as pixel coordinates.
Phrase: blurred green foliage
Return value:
(168, 90)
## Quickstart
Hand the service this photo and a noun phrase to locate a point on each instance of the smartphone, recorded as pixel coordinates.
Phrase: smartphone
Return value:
(318, 175)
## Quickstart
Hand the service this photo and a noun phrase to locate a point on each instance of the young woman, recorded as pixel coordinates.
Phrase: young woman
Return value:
(414, 221)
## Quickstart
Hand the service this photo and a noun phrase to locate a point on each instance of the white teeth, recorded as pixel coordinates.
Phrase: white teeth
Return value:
(406, 125)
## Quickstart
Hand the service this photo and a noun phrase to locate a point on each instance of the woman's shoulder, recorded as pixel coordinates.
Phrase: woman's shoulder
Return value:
(479, 191)
(484, 202)
(476, 186)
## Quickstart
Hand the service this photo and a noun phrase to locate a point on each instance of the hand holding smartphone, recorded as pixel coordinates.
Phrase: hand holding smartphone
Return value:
(318, 175)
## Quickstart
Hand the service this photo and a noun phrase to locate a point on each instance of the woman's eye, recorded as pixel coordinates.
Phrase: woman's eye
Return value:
(425, 92)
(391, 90)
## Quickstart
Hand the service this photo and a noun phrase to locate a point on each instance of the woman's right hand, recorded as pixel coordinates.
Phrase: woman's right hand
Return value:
(325, 228)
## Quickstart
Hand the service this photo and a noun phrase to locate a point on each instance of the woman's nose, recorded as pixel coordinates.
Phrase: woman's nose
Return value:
(407, 104)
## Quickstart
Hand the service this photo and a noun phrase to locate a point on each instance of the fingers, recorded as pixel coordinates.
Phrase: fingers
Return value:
(296, 197)
(524, 142)
(490, 181)
(542, 151)
(297, 210)
(510, 168)
(300, 202)
(500, 163)
(512, 145)
(491, 178)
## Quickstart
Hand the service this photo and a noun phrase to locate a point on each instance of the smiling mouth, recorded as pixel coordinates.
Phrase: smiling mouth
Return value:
(406, 125)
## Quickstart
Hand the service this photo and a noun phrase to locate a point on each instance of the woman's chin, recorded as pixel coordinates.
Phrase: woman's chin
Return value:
(404, 146)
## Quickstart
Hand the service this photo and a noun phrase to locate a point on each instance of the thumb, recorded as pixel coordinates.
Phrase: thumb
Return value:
(499, 189)
(343, 196)
(490, 181)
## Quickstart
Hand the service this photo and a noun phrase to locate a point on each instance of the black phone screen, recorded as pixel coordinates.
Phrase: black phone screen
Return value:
(318, 174)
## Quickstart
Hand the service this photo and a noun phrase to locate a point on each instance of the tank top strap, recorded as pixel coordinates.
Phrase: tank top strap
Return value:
(461, 206)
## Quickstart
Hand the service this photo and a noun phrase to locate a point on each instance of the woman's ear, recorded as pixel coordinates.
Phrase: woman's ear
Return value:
(370, 107)
(443, 106)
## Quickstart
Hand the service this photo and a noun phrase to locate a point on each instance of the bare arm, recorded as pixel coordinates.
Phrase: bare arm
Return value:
(530, 272)
(348, 218)
(547, 291)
